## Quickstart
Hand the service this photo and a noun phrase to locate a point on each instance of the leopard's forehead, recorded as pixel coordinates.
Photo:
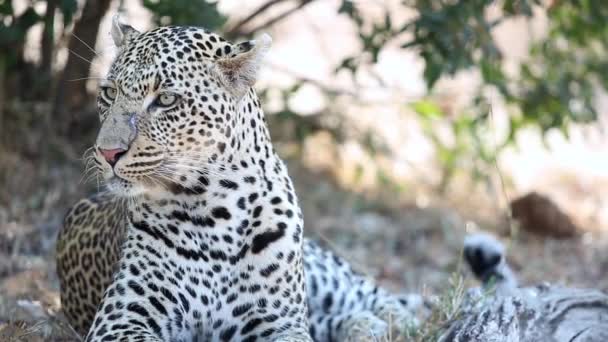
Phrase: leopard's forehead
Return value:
(168, 46)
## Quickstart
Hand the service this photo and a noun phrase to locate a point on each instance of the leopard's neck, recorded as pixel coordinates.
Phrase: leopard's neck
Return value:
(252, 210)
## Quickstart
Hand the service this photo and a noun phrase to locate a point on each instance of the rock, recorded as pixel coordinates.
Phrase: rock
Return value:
(538, 214)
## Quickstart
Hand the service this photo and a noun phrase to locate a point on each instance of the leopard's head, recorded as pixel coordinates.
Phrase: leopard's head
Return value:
(175, 101)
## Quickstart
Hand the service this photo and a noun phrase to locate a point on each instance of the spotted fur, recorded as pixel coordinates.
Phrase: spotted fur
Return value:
(202, 239)
(86, 258)
(343, 304)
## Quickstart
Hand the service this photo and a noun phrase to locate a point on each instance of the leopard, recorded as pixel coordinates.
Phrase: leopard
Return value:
(198, 235)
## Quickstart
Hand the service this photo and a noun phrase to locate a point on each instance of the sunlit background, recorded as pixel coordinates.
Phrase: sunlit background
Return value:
(405, 124)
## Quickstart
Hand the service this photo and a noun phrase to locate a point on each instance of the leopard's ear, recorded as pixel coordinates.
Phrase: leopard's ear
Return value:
(122, 33)
(239, 70)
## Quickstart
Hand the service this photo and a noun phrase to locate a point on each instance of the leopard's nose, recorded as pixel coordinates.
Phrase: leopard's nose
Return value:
(112, 155)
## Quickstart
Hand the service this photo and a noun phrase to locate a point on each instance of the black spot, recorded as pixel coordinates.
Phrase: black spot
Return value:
(136, 287)
(252, 324)
(185, 303)
(120, 289)
(221, 213)
(327, 302)
(228, 184)
(267, 271)
(203, 180)
(226, 334)
(261, 241)
(152, 324)
(172, 228)
(241, 203)
(231, 298)
(153, 232)
(108, 308)
(240, 255)
(218, 255)
(167, 294)
(257, 211)
(155, 303)
(241, 309)
(138, 309)
(253, 197)
(271, 318)
(133, 269)
(267, 332)
(252, 338)
(255, 288)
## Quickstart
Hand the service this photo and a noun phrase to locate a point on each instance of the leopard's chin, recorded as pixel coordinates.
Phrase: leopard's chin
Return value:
(121, 187)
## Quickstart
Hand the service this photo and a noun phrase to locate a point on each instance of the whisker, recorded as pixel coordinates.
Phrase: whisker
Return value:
(87, 152)
(202, 169)
(85, 44)
(88, 178)
(89, 174)
(79, 56)
(156, 181)
(87, 78)
(170, 176)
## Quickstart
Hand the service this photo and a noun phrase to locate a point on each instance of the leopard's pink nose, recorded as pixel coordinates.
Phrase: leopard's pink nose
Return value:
(112, 155)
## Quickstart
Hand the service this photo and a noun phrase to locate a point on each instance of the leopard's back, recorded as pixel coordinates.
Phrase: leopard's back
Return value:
(88, 248)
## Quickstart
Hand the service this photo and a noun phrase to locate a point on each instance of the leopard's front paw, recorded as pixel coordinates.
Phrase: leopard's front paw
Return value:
(364, 327)
(399, 321)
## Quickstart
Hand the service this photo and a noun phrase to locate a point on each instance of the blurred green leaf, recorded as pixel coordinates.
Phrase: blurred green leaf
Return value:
(186, 12)
(427, 109)
(6, 7)
(68, 8)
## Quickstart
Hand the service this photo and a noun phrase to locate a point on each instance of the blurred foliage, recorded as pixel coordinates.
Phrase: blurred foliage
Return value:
(554, 87)
(15, 26)
(469, 143)
(186, 12)
(558, 83)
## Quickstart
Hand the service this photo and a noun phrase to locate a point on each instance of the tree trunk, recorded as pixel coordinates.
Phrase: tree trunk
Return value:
(72, 96)
(47, 44)
(2, 92)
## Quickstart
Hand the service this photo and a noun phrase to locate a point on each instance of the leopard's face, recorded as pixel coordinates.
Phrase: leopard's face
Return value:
(168, 108)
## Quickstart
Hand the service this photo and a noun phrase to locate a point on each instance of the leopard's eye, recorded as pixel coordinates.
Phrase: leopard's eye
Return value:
(165, 100)
(109, 94)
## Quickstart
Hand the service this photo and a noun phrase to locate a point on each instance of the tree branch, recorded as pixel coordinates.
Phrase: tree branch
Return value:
(278, 18)
(235, 29)
(322, 86)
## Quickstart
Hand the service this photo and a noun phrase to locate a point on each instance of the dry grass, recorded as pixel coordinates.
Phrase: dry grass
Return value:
(446, 308)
